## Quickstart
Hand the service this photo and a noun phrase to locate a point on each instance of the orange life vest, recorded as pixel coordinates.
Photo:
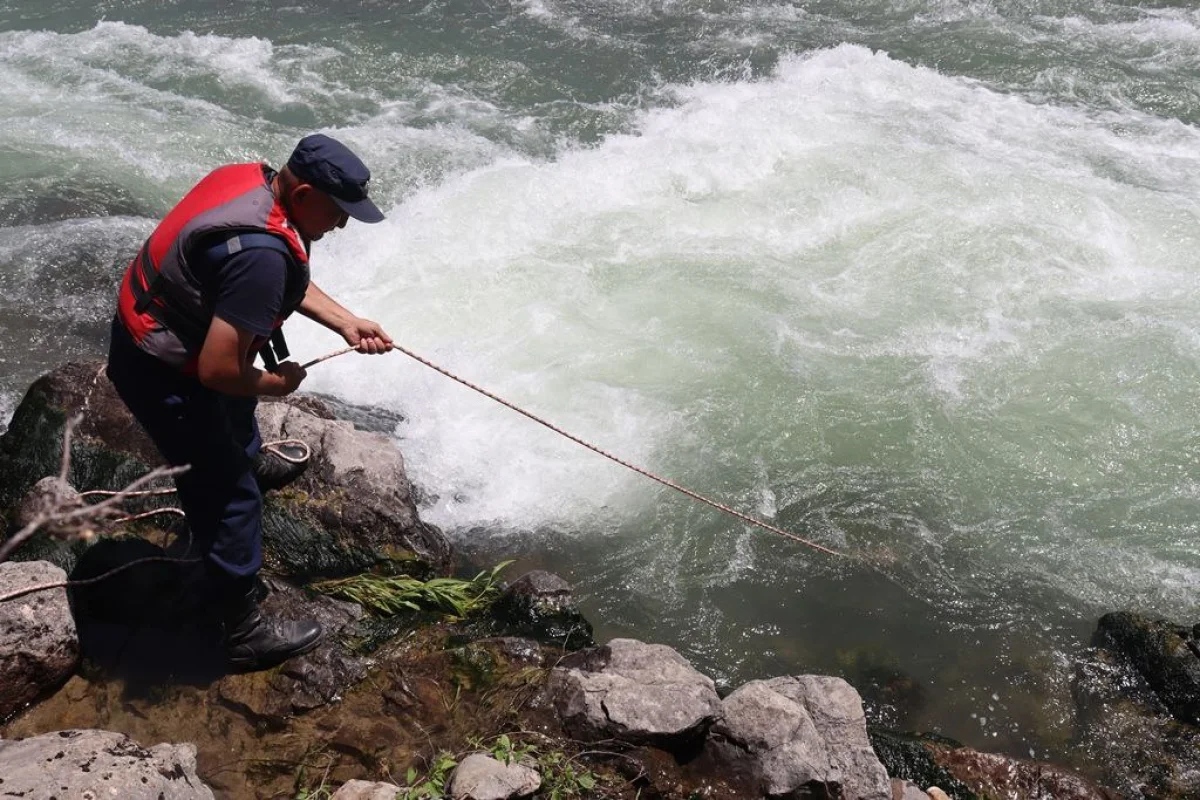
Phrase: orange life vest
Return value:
(163, 305)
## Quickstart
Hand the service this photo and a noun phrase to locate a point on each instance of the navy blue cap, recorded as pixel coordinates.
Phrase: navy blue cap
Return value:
(327, 164)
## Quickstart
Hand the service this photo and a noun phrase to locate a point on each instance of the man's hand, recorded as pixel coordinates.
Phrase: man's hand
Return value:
(292, 375)
(366, 336)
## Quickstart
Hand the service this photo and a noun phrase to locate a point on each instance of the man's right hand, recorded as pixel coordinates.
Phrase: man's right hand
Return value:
(292, 375)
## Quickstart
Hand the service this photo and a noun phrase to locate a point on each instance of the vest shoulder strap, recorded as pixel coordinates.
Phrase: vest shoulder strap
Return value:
(246, 241)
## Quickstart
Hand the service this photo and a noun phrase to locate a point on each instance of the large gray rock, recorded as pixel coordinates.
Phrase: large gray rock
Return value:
(636, 692)
(366, 790)
(481, 777)
(99, 764)
(798, 737)
(353, 508)
(39, 646)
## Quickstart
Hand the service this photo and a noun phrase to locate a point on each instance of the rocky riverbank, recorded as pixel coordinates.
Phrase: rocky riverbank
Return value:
(118, 688)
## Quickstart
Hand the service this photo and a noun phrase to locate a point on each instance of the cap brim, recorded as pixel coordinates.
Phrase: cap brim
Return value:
(363, 210)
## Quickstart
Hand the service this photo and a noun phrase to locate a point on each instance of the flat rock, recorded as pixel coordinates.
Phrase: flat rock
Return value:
(99, 764)
(366, 790)
(481, 777)
(39, 645)
(639, 693)
(799, 737)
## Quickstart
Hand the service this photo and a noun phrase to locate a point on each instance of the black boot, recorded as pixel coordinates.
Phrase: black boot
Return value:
(252, 642)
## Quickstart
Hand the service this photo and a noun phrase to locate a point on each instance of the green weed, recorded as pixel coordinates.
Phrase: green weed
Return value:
(396, 594)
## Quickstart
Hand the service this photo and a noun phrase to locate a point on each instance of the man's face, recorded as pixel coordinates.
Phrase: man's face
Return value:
(314, 213)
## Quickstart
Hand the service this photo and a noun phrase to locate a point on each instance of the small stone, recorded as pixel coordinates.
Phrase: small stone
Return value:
(906, 790)
(481, 777)
(366, 790)
(936, 794)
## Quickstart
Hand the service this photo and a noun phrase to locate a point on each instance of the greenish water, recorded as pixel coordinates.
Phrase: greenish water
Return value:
(915, 279)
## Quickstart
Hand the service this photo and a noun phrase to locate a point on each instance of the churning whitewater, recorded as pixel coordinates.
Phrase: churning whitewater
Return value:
(913, 279)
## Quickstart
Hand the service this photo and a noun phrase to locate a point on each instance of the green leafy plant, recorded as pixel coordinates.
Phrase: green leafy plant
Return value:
(399, 593)
(431, 786)
(562, 778)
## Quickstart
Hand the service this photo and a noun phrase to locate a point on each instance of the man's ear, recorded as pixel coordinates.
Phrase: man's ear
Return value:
(301, 193)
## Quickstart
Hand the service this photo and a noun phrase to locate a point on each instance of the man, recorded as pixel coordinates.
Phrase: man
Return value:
(207, 292)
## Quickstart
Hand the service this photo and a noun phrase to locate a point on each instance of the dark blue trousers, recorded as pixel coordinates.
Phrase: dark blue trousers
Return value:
(216, 434)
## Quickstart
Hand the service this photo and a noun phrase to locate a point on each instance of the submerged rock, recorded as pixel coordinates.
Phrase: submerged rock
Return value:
(1137, 745)
(802, 736)
(481, 777)
(90, 763)
(39, 646)
(1167, 656)
(639, 693)
(994, 775)
(353, 509)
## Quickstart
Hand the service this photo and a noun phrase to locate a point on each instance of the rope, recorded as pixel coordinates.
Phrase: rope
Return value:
(664, 481)
(275, 446)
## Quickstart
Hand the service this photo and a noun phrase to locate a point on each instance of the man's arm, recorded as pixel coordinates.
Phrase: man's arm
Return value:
(225, 365)
(364, 334)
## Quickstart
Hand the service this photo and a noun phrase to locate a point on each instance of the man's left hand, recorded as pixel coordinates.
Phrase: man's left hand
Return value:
(366, 336)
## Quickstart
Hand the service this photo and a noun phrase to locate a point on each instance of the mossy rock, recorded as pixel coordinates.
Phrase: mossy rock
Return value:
(909, 756)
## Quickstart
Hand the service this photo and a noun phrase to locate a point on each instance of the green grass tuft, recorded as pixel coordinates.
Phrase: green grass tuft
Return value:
(400, 593)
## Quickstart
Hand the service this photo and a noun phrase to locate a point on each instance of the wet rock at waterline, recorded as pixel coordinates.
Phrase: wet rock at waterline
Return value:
(352, 510)
(481, 777)
(39, 646)
(99, 764)
(800, 736)
(636, 692)
(967, 774)
(541, 605)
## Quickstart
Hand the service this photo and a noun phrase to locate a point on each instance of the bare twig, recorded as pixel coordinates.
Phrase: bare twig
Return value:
(66, 517)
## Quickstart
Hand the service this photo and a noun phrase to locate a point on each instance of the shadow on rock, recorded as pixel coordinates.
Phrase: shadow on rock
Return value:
(149, 624)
